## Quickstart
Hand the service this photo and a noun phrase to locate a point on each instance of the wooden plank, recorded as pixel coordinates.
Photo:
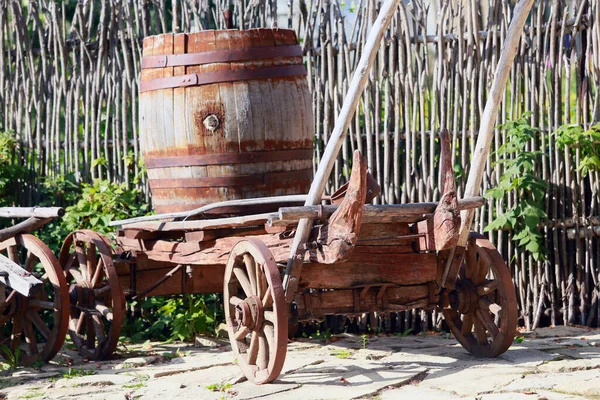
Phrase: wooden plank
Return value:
(365, 269)
(204, 279)
(18, 279)
(343, 301)
(247, 220)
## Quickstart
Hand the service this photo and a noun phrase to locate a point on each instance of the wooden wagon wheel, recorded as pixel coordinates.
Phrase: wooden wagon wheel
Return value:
(97, 301)
(36, 325)
(255, 311)
(482, 309)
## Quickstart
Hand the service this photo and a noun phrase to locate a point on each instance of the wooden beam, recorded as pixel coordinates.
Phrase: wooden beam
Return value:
(29, 225)
(336, 139)
(28, 212)
(217, 223)
(17, 278)
(480, 155)
(371, 213)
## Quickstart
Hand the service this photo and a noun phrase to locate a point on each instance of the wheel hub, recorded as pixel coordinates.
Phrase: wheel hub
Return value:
(82, 295)
(464, 297)
(249, 313)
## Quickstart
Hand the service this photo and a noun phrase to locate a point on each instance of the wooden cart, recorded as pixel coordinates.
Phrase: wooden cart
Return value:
(34, 301)
(360, 258)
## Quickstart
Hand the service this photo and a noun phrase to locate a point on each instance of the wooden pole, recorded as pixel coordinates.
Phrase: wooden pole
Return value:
(357, 85)
(490, 113)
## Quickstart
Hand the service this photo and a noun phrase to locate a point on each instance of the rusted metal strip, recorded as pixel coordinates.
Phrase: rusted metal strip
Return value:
(208, 78)
(229, 158)
(220, 56)
(228, 181)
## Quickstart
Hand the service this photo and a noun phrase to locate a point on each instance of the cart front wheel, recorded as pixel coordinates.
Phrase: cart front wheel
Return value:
(97, 301)
(255, 311)
(481, 311)
(33, 328)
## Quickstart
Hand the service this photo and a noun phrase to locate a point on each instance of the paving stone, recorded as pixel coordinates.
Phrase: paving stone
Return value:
(137, 362)
(473, 380)
(99, 380)
(417, 392)
(561, 331)
(207, 341)
(569, 365)
(526, 357)
(343, 379)
(582, 383)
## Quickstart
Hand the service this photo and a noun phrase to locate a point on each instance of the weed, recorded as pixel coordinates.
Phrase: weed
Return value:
(365, 340)
(4, 383)
(519, 339)
(32, 395)
(323, 336)
(405, 333)
(219, 387)
(342, 354)
(73, 373)
(11, 357)
(176, 354)
(134, 385)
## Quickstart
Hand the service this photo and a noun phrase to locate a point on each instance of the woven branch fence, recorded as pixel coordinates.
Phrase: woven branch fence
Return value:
(69, 88)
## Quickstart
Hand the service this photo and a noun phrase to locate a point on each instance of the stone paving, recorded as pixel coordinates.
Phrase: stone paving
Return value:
(550, 363)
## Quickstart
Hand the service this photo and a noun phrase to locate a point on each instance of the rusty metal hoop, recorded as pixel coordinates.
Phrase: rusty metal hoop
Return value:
(42, 318)
(97, 300)
(255, 311)
(482, 309)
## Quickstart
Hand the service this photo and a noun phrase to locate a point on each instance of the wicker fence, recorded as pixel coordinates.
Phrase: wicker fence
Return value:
(69, 88)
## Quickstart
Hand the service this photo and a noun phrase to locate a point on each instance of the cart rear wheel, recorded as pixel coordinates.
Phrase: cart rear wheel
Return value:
(97, 301)
(482, 309)
(35, 325)
(255, 311)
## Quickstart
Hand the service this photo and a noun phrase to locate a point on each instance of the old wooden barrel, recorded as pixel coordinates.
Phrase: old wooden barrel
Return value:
(224, 115)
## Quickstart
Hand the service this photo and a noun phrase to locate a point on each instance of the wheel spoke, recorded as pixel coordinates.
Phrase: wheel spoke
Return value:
(39, 324)
(80, 321)
(270, 316)
(90, 334)
(467, 324)
(262, 282)
(98, 272)
(46, 305)
(250, 267)
(91, 260)
(17, 331)
(263, 351)
(269, 334)
(105, 311)
(487, 287)
(99, 328)
(470, 263)
(241, 334)
(487, 305)
(267, 300)
(30, 337)
(482, 338)
(488, 322)
(13, 253)
(100, 292)
(243, 280)
(76, 274)
(80, 254)
(234, 300)
(253, 349)
(29, 261)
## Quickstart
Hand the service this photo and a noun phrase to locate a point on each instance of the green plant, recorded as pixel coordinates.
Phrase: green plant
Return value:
(10, 172)
(176, 354)
(32, 395)
(342, 354)
(574, 137)
(11, 357)
(365, 340)
(74, 373)
(405, 333)
(518, 176)
(219, 387)
(323, 335)
(519, 339)
(175, 318)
